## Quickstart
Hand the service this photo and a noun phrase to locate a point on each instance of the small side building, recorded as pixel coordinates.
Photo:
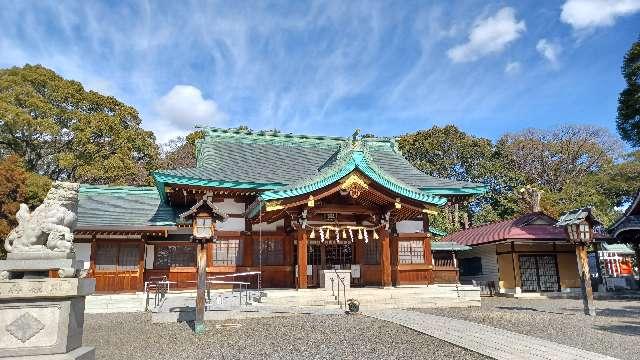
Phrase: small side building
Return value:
(527, 254)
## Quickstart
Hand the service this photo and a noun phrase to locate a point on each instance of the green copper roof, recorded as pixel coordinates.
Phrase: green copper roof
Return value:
(123, 206)
(267, 160)
(353, 160)
(437, 232)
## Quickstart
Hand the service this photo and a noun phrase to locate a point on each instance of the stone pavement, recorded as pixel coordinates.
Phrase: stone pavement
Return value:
(485, 340)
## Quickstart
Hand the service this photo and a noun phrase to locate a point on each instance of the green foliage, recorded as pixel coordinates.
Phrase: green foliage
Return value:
(180, 152)
(65, 132)
(447, 152)
(574, 166)
(17, 185)
(628, 120)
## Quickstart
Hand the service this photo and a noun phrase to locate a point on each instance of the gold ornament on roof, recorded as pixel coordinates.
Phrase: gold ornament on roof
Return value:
(355, 185)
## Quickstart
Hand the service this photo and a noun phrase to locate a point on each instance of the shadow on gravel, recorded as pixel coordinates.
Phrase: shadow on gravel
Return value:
(521, 308)
(629, 328)
(625, 311)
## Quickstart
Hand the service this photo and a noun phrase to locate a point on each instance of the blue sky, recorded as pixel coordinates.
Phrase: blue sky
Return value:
(328, 67)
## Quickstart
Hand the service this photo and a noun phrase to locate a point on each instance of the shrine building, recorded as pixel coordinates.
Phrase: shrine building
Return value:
(295, 205)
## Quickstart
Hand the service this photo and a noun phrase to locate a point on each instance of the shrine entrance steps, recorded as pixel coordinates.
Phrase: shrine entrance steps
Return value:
(417, 296)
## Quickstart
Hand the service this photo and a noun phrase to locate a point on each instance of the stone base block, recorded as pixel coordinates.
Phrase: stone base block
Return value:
(12, 268)
(31, 327)
(82, 353)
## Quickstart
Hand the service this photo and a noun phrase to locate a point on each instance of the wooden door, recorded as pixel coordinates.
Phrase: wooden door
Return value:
(117, 267)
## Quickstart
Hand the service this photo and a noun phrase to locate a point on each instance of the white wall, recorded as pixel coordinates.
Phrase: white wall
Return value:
(409, 226)
(229, 206)
(231, 224)
(83, 252)
(268, 227)
(487, 254)
(148, 256)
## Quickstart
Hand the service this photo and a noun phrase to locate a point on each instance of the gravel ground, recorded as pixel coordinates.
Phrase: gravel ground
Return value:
(614, 332)
(133, 336)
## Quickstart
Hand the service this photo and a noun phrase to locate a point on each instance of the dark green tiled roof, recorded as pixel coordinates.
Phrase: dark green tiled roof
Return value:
(122, 206)
(270, 161)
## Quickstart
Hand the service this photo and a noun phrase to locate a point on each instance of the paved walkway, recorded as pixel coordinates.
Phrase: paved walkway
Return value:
(486, 340)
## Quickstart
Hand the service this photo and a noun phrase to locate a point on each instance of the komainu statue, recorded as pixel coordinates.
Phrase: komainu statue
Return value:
(47, 231)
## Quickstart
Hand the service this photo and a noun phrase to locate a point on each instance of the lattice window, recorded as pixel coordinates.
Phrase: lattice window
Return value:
(372, 252)
(272, 252)
(410, 252)
(174, 256)
(106, 257)
(227, 252)
(443, 259)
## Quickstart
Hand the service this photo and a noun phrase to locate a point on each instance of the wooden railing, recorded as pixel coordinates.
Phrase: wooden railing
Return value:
(443, 263)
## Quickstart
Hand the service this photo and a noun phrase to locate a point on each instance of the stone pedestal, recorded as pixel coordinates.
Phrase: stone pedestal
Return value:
(327, 275)
(43, 318)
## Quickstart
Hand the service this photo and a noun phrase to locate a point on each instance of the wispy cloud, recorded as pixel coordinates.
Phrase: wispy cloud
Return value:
(589, 14)
(512, 68)
(488, 36)
(312, 67)
(549, 50)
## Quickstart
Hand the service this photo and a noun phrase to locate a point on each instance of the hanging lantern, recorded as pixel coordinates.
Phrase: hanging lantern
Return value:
(359, 234)
(313, 234)
(375, 235)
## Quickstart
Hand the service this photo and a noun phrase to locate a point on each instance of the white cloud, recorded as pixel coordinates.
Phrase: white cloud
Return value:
(184, 107)
(588, 14)
(490, 35)
(512, 68)
(549, 50)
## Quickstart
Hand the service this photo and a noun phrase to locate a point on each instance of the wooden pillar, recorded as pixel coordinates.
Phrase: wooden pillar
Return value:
(92, 257)
(516, 272)
(141, 259)
(247, 246)
(302, 259)
(247, 250)
(585, 280)
(393, 243)
(200, 294)
(385, 259)
(425, 223)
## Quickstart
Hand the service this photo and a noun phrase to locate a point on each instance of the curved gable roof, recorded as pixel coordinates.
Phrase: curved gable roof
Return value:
(268, 161)
(532, 226)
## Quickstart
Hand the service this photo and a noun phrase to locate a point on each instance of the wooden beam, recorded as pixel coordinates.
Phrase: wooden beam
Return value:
(349, 209)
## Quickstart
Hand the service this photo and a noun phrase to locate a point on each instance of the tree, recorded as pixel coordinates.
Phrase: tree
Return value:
(550, 159)
(17, 186)
(65, 132)
(447, 152)
(628, 120)
(180, 152)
